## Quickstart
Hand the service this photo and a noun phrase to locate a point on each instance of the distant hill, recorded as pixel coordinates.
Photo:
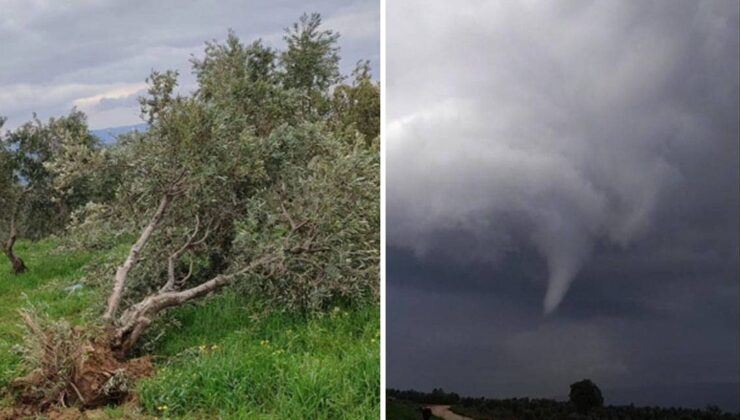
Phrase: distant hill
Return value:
(110, 135)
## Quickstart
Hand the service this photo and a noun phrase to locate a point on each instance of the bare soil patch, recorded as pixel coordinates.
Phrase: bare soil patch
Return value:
(92, 376)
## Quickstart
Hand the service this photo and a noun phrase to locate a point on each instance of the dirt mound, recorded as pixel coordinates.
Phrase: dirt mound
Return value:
(130, 411)
(100, 378)
(20, 412)
(66, 414)
(30, 412)
(93, 377)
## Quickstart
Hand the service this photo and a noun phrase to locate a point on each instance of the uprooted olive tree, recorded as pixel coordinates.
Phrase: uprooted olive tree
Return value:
(240, 185)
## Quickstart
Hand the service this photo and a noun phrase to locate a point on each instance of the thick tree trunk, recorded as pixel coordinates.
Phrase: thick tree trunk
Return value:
(136, 319)
(128, 328)
(122, 273)
(15, 261)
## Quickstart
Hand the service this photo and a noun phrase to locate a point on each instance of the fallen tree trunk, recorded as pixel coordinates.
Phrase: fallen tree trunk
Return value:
(126, 329)
(95, 368)
(138, 317)
(119, 283)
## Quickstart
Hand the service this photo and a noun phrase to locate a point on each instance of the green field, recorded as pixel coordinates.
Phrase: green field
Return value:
(226, 356)
(403, 410)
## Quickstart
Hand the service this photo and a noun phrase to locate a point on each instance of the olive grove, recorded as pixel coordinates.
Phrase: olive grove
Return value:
(30, 205)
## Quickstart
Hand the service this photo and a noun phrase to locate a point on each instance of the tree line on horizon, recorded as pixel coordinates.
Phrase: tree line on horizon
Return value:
(585, 402)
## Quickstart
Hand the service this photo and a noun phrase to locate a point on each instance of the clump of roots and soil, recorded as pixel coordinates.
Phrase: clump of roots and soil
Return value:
(72, 367)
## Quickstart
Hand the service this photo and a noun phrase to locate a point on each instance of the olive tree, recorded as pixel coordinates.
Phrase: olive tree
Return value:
(243, 85)
(318, 220)
(310, 63)
(10, 196)
(293, 215)
(29, 201)
(184, 179)
(356, 106)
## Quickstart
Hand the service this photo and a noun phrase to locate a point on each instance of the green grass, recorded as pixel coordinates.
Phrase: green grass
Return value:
(403, 410)
(226, 357)
(278, 366)
(43, 285)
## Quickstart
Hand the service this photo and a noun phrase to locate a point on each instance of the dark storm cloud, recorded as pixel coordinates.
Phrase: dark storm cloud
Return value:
(627, 332)
(60, 54)
(572, 127)
(582, 151)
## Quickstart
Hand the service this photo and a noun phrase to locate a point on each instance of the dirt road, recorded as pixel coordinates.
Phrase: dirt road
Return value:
(443, 411)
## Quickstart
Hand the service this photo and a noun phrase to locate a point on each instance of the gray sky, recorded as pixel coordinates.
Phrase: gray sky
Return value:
(562, 198)
(95, 54)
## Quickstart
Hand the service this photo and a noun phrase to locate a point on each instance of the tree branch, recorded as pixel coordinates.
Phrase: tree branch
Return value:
(137, 318)
(306, 250)
(174, 258)
(123, 271)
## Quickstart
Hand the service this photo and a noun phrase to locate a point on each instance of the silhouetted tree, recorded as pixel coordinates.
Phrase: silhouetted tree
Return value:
(585, 396)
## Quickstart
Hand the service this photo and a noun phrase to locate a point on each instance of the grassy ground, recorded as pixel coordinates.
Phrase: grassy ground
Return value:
(403, 410)
(276, 366)
(225, 357)
(43, 285)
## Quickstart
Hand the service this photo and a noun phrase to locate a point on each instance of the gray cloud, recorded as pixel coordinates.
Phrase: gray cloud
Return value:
(575, 157)
(55, 54)
(576, 124)
(635, 329)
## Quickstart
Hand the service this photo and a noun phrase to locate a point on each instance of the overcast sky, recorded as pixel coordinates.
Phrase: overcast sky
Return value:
(95, 54)
(562, 198)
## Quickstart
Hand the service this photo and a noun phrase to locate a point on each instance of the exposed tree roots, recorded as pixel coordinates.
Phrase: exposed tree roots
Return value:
(88, 376)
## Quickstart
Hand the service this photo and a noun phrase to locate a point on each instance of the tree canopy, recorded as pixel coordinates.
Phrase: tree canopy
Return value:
(585, 396)
(31, 205)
